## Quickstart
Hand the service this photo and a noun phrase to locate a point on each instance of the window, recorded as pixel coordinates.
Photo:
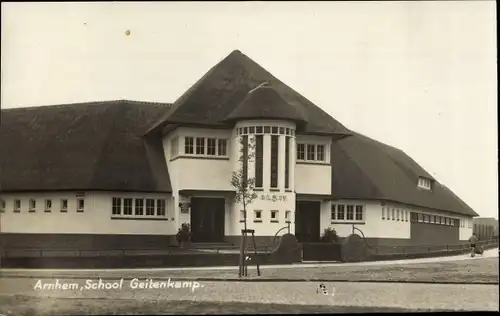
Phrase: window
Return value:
(413, 217)
(48, 205)
(116, 208)
(188, 145)
(222, 147)
(259, 160)
(397, 214)
(211, 146)
(160, 207)
(320, 152)
(150, 207)
(282, 130)
(350, 212)
(267, 129)
(310, 152)
(274, 161)
(287, 162)
(32, 205)
(300, 152)
(420, 218)
(340, 212)
(139, 207)
(258, 130)
(245, 130)
(2, 205)
(424, 183)
(17, 206)
(274, 130)
(251, 130)
(287, 216)
(127, 206)
(333, 212)
(469, 223)
(359, 213)
(242, 216)
(274, 216)
(287, 131)
(393, 217)
(80, 204)
(383, 212)
(174, 147)
(245, 158)
(64, 205)
(200, 145)
(257, 216)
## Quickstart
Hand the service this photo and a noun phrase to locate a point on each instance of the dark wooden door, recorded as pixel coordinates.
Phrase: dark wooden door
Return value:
(307, 221)
(207, 219)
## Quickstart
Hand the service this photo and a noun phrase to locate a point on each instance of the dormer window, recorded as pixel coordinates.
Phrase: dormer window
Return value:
(424, 183)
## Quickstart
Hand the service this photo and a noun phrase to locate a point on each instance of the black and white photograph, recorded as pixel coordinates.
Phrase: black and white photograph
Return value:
(248, 157)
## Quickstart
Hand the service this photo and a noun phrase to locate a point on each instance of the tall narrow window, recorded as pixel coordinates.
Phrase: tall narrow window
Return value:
(259, 160)
(150, 207)
(211, 146)
(320, 152)
(222, 147)
(359, 213)
(350, 212)
(127, 206)
(174, 147)
(383, 212)
(301, 152)
(188, 145)
(310, 152)
(287, 162)
(333, 213)
(340, 212)
(80, 205)
(116, 206)
(245, 159)
(64, 205)
(200, 145)
(160, 207)
(17, 206)
(139, 207)
(32, 205)
(274, 161)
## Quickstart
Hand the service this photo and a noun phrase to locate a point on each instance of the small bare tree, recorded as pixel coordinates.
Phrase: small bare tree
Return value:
(244, 185)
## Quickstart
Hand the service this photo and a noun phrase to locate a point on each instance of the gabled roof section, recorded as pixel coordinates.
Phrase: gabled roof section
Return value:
(224, 87)
(86, 146)
(265, 103)
(364, 168)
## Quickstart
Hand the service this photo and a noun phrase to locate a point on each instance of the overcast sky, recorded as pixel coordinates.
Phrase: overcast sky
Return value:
(420, 76)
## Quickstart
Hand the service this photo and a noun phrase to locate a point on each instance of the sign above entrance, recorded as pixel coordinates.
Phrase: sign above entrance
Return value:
(273, 197)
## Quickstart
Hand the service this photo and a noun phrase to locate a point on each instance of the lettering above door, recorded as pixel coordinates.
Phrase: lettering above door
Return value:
(273, 197)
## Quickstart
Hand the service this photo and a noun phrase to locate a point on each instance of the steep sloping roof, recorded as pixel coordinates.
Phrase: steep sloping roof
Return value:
(86, 146)
(210, 100)
(367, 169)
(265, 103)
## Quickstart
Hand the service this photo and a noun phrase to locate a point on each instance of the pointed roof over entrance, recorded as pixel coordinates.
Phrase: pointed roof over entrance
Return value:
(223, 93)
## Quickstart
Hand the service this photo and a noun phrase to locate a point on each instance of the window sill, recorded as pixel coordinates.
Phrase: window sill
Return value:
(194, 156)
(140, 218)
(17, 211)
(79, 211)
(274, 190)
(289, 190)
(242, 220)
(31, 211)
(258, 189)
(64, 211)
(47, 211)
(348, 222)
(257, 221)
(312, 162)
(275, 221)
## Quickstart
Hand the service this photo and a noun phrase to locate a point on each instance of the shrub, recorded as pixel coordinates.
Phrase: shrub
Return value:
(184, 233)
(330, 235)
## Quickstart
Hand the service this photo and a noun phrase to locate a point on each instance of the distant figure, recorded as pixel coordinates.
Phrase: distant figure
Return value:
(473, 241)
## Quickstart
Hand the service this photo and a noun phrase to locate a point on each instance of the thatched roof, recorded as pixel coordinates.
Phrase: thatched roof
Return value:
(367, 169)
(224, 87)
(265, 103)
(87, 146)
